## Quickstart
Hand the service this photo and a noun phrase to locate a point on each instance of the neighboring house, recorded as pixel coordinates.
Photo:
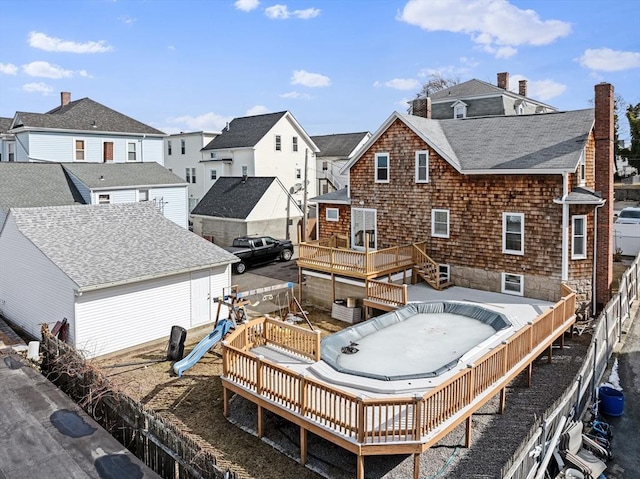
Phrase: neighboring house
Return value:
(53, 184)
(238, 206)
(335, 151)
(7, 141)
(514, 204)
(273, 144)
(184, 156)
(121, 274)
(83, 131)
(475, 98)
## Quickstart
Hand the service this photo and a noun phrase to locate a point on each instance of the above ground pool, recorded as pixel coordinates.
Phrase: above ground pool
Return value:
(420, 340)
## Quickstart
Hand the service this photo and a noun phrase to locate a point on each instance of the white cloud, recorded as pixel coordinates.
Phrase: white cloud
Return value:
(204, 122)
(282, 12)
(400, 84)
(296, 95)
(246, 5)
(496, 26)
(46, 70)
(38, 87)
(127, 20)
(84, 73)
(313, 80)
(171, 48)
(50, 44)
(607, 60)
(8, 69)
(257, 110)
(542, 90)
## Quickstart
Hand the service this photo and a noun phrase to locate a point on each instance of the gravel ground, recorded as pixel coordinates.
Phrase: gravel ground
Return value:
(495, 437)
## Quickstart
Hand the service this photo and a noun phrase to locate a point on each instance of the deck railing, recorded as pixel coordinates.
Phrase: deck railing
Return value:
(385, 292)
(364, 422)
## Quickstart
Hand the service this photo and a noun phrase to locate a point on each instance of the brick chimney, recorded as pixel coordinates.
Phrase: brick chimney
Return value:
(421, 107)
(503, 80)
(65, 98)
(604, 138)
(522, 87)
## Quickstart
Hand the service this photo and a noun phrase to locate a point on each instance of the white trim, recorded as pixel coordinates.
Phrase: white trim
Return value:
(574, 237)
(364, 211)
(135, 151)
(433, 223)
(504, 234)
(417, 156)
(337, 214)
(446, 270)
(504, 289)
(376, 168)
(84, 150)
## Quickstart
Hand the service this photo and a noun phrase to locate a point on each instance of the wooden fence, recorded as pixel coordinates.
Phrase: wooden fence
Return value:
(575, 400)
(156, 441)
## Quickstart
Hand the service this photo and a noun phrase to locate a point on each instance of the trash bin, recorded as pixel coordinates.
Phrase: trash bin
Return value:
(611, 401)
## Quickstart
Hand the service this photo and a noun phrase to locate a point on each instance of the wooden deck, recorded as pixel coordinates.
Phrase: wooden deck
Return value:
(377, 426)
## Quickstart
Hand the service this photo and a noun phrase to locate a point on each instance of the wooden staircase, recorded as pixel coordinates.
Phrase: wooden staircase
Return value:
(428, 270)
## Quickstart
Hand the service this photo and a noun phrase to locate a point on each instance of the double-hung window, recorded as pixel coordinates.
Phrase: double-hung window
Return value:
(298, 173)
(513, 233)
(278, 143)
(183, 146)
(422, 166)
(79, 150)
(214, 174)
(440, 223)
(579, 239)
(131, 151)
(382, 168)
(294, 143)
(190, 175)
(169, 147)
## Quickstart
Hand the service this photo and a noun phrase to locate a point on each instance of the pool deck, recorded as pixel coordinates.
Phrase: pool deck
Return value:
(518, 310)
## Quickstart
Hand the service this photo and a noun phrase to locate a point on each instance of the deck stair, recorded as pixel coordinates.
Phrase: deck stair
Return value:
(428, 270)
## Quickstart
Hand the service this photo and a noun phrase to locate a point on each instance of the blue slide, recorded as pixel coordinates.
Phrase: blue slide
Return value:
(202, 347)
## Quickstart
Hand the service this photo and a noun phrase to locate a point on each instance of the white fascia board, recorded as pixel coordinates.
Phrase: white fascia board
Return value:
(131, 187)
(85, 132)
(516, 172)
(302, 132)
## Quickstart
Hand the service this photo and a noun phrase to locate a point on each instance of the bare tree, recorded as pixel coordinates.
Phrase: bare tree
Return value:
(437, 81)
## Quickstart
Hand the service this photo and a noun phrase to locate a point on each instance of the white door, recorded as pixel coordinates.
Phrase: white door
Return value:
(200, 298)
(363, 225)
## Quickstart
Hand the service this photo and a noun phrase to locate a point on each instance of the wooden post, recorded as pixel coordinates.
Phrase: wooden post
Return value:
(467, 438)
(503, 399)
(303, 445)
(225, 401)
(416, 465)
(360, 466)
(529, 374)
(333, 288)
(260, 428)
(550, 353)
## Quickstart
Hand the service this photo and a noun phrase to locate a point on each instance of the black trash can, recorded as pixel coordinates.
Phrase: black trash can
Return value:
(175, 349)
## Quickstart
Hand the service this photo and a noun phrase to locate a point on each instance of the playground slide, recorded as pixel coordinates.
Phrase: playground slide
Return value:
(202, 347)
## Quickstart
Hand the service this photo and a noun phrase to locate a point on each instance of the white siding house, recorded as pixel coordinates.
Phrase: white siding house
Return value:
(183, 156)
(121, 274)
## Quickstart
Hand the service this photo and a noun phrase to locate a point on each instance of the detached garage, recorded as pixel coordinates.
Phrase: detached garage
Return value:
(121, 274)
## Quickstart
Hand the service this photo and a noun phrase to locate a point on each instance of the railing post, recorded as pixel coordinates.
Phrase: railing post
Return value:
(361, 421)
(417, 418)
(318, 352)
(259, 359)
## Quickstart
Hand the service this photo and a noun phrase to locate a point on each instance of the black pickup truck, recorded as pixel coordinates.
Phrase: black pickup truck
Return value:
(254, 250)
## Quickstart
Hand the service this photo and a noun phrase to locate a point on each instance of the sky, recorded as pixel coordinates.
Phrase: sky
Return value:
(339, 66)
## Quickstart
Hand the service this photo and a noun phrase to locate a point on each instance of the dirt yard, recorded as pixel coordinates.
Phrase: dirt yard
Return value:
(195, 402)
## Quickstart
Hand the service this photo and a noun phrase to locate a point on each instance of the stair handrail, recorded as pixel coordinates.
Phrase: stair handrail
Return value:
(422, 258)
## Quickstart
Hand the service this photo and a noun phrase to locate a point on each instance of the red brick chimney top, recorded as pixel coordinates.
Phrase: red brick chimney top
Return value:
(503, 80)
(522, 87)
(65, 98)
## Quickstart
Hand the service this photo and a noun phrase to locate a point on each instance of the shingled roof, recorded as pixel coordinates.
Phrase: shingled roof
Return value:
(341, 144)
(83, 115)
(114, 175)
(103, 245)
(537, 144)
(35, 184)
(469, 88)
(245, 132)
(233, 197)
(5, 124)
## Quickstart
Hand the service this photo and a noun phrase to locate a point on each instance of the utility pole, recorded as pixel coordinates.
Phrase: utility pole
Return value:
(304, 199)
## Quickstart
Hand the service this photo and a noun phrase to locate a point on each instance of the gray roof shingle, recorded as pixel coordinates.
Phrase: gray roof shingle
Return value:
(341, 144)
(101, 245)
(84, 115)
(35, 184)
(113, 175)
(245, 132)
(233, 197)
(469, 88)
(5, 124)
(337, 196)
(548, 141)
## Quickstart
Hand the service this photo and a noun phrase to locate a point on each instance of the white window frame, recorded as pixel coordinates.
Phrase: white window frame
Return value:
(130, 151)
(419, 168)
(444, 270)
(11, 151)
(363, 214)
(213, 174)
(294, 143)
(333, 214)
(582, 173)
(434, 213)
(169, 151)
(505, 232)
(212, 155)
(77, 150)
(104, 199)
(245, 170)
(378, 168)
(579, 239)
(183, 146)
(143, 195)
(460, 108)
(278, 143)
(298, 173)
(507, 279)
(190, 175)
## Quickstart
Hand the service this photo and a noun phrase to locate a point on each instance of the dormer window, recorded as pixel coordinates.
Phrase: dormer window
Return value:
(582, 173)
(520, 107)
(459, 109)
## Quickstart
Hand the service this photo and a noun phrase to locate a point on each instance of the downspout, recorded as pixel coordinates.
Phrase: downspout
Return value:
(595, 257)
(565, 228)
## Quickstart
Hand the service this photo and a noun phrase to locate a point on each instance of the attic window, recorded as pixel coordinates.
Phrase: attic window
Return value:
(460, 111)
(212, 155)
(278, 143)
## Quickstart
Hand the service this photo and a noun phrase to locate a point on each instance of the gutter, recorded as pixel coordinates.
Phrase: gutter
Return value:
(139, 279)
